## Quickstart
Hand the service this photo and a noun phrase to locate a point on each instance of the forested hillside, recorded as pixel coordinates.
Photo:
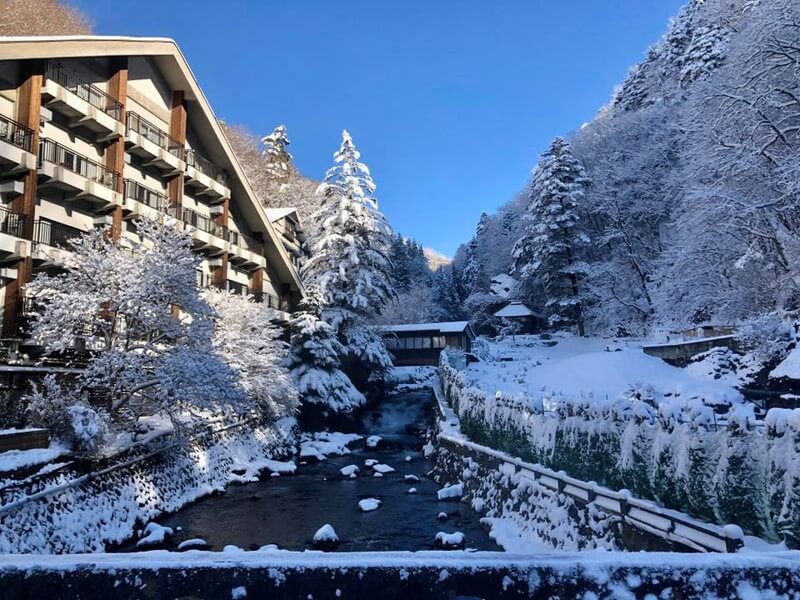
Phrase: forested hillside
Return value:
(678, 203)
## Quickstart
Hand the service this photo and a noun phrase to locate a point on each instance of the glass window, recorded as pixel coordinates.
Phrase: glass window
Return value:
(438, 341)
(426, 343)
(417, 343)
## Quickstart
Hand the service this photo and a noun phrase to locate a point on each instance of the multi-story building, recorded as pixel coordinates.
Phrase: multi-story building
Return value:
(286, 222)
(96, 131)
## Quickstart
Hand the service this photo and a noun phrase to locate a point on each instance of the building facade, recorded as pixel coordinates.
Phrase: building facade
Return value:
(97, 131)
(422, 343)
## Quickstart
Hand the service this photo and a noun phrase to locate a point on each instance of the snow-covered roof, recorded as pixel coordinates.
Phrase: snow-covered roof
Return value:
(276, 214)
(514, 309)
(445, 327)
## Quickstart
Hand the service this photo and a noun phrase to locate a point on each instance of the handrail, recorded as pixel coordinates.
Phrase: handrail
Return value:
(16, 134)
(668, 524)
(53, 152)
(54, 234)
(78, 85)
(136, 191)
(12, 223)
(135, 122)
(201, 222)
(201, 163)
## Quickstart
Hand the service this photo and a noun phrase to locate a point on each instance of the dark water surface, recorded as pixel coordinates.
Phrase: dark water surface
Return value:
(287, 510)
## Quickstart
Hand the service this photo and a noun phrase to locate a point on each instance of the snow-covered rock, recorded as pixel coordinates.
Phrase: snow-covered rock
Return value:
(381, 468)
(442, 516)
(371, 462)
(369, 504)
(196, 543)
(412, 490)
(317, 446)
(410, 478)
(325, 538)
(349, 471)
(451, 492)
(154, 534)
(449, 540)
(373, 441)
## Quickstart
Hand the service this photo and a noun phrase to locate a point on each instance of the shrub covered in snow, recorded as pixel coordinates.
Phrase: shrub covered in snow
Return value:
(734, 471)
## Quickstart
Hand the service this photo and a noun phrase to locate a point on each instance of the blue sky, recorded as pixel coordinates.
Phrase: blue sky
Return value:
(449, 101)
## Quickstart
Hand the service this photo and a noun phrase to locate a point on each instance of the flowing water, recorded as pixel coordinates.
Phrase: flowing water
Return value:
(288, 510)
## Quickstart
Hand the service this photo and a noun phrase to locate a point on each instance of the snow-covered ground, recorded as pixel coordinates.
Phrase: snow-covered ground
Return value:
(586, 368)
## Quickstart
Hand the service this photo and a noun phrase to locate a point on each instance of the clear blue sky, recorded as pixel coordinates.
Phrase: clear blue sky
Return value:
(449, 101)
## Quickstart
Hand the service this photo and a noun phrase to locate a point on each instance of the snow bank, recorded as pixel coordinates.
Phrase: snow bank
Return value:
(321, 444)
(450, 492)
(593, 369)
(154, 534)
(326, 533)
(678, 453)
(12, 460)
(449, 540)
(71, 513)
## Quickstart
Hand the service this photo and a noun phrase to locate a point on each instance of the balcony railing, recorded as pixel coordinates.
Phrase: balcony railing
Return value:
(201, 163)
(55, 234)
(62, 156)
(16, 134)
(137, 123)
(200, 222)
(250, 243)
(136, 191)
(12, 223)
(233, 237)
(78, 85)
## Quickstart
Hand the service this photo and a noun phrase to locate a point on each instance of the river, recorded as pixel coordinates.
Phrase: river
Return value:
(288, 510)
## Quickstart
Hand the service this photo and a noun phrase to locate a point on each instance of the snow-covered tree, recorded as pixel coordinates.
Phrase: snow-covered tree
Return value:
(349, 262)
(475, 276)
(315, 362)
(278, 157)
(134, 306)
(248, 340)
(551, 250)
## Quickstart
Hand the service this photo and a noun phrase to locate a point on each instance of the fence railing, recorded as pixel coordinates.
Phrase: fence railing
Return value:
(12, 223)
(137, 123)
(200, 222)
(86, 91)
(16, 134)
(55, 234)
(55, 153)
(201, 163)
(136, 191)
(642, 514)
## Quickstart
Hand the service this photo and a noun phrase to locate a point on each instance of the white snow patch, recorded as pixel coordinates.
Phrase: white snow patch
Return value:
(238, 593)
(369, 504)
(450, 492)
(381, 468)
(450, 540)
(154, 534)
(373, 441)
(321, 444)
(349, 471)
(193, 543)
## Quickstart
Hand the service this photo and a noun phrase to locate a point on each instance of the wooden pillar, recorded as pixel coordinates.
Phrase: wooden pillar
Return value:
(29, 102)
(115, 152)
(220, 273)
(177, 130)
(257, 281)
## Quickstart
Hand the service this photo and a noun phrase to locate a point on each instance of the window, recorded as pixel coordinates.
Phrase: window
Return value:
(426, 343)
(438, 341)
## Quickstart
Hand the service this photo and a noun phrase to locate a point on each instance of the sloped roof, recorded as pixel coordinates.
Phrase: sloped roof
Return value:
(172, 64)
(444, 327)
(515, 309)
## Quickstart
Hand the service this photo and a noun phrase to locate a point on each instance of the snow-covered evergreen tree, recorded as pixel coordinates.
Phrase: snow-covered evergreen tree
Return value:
(278, 157)
(349, 262)
(551, 250)
(315, 362)
(248, 340)
(134, 305)
(474, 274)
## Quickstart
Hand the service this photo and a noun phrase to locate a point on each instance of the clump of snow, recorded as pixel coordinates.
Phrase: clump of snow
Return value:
(369, 504)
(154, 534)
(371, 462)
(789, 367)
(373, 441)
(408, 459)
(451, 492)
(442, 516)
(377, 474)
(238, 593)
(428, 450)
(412, 490)
(321, 444)
(325, 537)
(449, 540)
(383, 469)
(280, 467)
(193, 543)
(12, 460)
(349, 471)
(411, 478)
